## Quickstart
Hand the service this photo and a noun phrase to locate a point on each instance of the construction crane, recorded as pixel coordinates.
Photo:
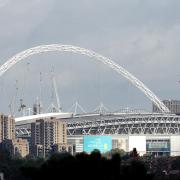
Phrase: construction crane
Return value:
(56, 94)
(22, 107)
(39, 100)
(13, 100)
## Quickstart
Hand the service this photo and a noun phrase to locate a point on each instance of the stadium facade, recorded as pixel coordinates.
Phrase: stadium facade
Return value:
(154, 133)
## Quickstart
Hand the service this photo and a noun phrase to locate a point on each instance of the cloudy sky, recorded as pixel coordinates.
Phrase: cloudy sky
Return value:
(140, 35)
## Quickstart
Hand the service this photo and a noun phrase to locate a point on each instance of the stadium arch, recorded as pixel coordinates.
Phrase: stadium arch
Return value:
(78, 50)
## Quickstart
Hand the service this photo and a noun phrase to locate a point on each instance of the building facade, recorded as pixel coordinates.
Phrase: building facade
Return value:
(156, 133)
(45, 133)
(38, 150)
(8, 141)
(7, 127)
(62, 148)
(157, 145)
(172, 105)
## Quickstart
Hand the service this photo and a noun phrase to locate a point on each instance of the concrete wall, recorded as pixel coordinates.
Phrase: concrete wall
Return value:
(138, 142)
(175, 145)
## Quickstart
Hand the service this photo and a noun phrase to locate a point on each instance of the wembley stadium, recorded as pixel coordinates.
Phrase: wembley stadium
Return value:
(156, 133)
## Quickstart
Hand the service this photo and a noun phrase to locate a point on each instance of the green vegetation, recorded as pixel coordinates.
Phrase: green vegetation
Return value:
(115, 164)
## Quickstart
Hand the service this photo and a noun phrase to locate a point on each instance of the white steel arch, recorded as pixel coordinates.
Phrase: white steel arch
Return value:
(78, 50)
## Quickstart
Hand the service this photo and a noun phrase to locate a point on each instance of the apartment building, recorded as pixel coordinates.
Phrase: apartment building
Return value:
(45, 133)
(7, 127)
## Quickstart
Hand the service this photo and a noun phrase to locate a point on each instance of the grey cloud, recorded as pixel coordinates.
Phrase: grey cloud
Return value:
(3, 3)
(142, 36)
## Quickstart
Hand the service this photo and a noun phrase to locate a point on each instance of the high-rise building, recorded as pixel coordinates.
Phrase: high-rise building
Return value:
(172, 105)
(45, 133)
(7, 137)
(7, 127)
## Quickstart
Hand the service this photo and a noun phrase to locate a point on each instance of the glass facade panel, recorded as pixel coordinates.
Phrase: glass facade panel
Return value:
(158, 146)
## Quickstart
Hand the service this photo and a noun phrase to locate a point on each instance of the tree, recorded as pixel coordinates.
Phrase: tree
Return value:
(134, 153)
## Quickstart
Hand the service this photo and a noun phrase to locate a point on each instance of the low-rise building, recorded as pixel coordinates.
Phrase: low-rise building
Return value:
(62, 148)
(16, 147)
